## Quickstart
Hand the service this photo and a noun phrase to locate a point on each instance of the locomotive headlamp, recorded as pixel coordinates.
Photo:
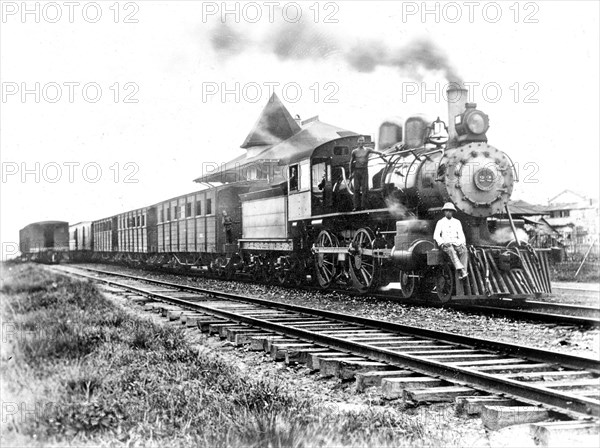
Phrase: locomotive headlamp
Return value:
(472, 124)
(477, 122)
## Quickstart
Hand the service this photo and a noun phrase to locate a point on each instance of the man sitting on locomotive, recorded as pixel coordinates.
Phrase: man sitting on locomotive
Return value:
(359, 162)
(450, 237)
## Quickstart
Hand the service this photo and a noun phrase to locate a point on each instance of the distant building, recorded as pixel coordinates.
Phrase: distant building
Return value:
(575, 216)
(539, 231)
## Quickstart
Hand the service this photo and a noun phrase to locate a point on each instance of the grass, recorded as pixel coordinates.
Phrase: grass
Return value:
(84, 371)
(565, 271)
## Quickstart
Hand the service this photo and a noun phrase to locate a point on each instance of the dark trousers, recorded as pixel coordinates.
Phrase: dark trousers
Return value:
(361, 186)
(229, 236)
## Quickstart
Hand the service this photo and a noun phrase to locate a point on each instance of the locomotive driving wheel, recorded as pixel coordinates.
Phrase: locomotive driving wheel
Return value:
(298, 272)
(407, 284)
(444, 283)
(363, 268)
(266, 270)
(325, 264)
(293, 271)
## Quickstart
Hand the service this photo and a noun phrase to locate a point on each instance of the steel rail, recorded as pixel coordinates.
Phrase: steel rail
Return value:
(480, 380)
(536, 354)
(520, 311)
(537, 316)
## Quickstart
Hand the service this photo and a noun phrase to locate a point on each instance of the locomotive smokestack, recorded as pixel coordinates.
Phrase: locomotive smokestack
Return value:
(458, 97)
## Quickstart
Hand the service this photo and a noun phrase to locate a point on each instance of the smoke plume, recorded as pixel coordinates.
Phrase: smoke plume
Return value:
(303, 40)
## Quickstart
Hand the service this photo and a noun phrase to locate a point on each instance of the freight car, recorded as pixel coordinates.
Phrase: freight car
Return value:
(46, 242)
(183, 232)
(81, 241)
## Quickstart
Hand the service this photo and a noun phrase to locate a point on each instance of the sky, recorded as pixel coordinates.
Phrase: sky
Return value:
(111, 106)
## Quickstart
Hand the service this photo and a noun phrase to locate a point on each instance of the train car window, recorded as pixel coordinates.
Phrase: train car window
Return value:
(188, 209)
(143, 220)
(209, 206)
(198, 208)
(293, 178)
(169, 214)
(138, 221)
(341, 151)
(319, 177)
(304, 176)
(160, 215)
(176, 212)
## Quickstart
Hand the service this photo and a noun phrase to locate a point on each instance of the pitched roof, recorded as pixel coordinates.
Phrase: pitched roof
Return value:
(300, 146)
(520, 207)
(274, 125)
(567, 191)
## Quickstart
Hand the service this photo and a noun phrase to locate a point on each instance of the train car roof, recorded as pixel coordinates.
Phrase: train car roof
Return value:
(45, 223)
(298, 147)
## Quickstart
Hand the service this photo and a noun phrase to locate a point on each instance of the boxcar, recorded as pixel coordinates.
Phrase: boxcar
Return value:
(105, 235)
(136, 231)
(80, 236)
(45, 241)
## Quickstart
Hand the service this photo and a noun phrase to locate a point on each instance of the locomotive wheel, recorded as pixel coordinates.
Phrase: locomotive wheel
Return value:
(444, 283)
(363, 269)
(219, 267)
(296, 277)
(325, 264)
(283, 273)
(282, 277)
(407, 284)
(267, 271)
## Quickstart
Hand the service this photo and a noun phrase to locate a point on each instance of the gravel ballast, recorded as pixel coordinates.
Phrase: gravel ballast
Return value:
(563, 339)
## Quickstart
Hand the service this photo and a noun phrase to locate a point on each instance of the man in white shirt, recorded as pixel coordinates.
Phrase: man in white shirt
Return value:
(450, 237)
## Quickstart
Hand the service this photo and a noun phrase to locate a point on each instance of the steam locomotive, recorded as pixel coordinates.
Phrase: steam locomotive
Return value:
(283, 212)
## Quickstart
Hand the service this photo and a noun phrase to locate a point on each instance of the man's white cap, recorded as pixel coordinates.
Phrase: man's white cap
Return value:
(449, 206)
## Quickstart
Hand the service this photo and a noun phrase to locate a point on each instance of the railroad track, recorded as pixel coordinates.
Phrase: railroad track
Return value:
(418, 364)
(538, 311)
(524, 310)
